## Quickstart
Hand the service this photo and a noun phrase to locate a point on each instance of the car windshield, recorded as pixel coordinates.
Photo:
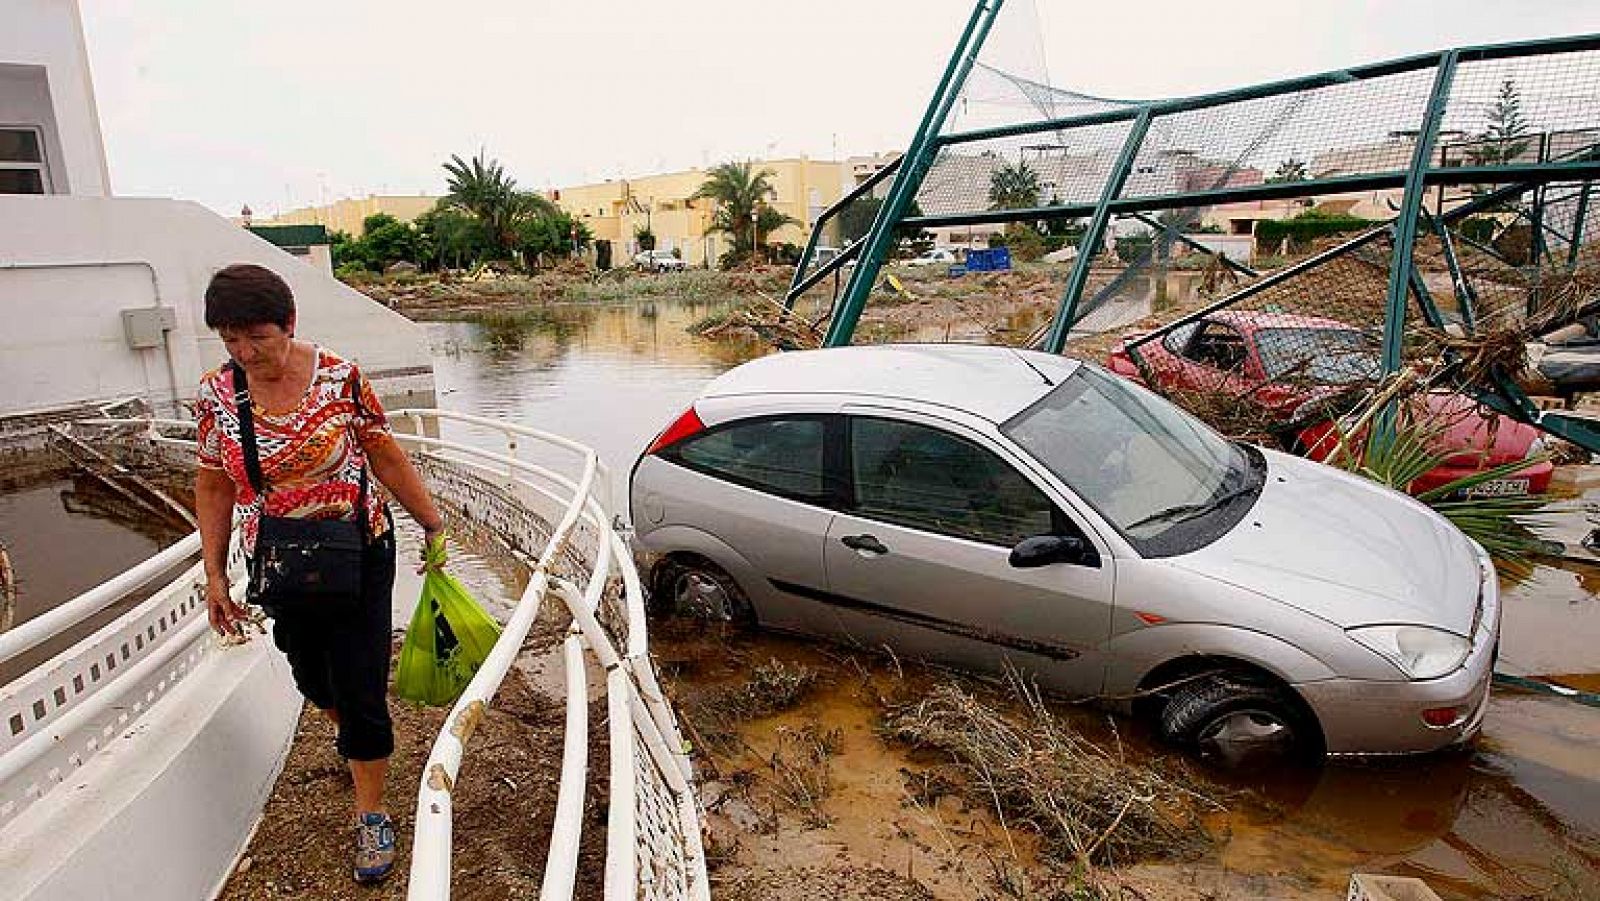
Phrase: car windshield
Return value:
(1146, 466)
(1322, 356)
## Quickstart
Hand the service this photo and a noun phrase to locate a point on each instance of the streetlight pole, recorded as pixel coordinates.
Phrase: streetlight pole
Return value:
(755, 235)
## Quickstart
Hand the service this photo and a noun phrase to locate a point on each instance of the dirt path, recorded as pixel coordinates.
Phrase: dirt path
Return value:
(503, 805)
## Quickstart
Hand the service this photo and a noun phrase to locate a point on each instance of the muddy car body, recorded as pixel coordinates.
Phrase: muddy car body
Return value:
(991, 508)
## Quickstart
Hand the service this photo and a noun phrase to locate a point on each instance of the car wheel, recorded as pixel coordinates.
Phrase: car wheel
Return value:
(1234, 720)
(698, 588)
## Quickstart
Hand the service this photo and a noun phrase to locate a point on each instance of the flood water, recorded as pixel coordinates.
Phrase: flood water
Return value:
(1517, 816)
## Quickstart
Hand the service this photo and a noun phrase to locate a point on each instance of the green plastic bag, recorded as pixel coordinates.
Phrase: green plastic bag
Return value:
(449, 638)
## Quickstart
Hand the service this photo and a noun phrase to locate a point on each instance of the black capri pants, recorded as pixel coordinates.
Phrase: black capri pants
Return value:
(340, 660)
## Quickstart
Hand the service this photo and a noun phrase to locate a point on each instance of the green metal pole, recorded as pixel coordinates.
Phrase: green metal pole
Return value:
(1577, 226)
(1405, 226)
(1401, 267)
(1089, 246)
(914, 166)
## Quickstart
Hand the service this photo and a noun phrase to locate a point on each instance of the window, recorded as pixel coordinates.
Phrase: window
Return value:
(21, 161)
(782, 456)
(1177, 340)
(921, 477)
(1220, 347)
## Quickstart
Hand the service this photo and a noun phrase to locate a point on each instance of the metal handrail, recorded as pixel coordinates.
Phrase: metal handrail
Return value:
(431, 844)
(631, 680)
(96, 599)
(646, 725)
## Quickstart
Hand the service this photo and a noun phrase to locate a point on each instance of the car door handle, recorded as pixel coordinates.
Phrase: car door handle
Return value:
(867, 543)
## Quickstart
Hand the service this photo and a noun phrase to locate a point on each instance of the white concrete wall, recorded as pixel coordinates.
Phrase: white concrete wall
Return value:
(49, 34)
(70, 265)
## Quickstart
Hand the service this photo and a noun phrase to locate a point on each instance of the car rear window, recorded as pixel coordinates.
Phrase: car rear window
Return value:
(781, 455)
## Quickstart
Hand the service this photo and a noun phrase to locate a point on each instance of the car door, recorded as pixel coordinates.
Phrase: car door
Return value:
(758, 486)
(919, 557)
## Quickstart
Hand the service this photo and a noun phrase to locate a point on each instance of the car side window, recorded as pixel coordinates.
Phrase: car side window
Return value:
(924, 478)
(783, 456)
(1177, 340)
(1219, 346)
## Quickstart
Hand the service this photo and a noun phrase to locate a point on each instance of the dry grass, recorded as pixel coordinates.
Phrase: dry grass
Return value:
(1090, 805)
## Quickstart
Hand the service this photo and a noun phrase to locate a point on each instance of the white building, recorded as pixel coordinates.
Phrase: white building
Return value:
(102, 296)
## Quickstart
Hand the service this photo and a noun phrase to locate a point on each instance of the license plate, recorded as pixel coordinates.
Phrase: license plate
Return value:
(1499, 488)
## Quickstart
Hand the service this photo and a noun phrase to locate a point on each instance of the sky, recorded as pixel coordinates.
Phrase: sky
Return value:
(295, 103)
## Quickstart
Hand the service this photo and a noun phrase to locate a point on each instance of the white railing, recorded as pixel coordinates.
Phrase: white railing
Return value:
(61, 713)
(653, 823)
(58, 715)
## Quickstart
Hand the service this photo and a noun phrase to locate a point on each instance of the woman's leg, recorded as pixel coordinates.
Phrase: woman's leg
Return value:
(360, 675)
(369, 776)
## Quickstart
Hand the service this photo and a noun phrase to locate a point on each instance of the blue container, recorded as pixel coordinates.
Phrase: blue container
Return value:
(993, 259)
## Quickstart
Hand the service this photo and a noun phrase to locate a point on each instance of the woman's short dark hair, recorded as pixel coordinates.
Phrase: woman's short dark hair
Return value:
(245, 294)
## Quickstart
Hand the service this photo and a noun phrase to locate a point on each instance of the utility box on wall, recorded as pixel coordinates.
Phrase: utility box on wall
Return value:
(146, 327)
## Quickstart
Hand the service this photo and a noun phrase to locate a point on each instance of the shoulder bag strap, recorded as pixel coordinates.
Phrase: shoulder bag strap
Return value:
(355, 434)
(247, 430)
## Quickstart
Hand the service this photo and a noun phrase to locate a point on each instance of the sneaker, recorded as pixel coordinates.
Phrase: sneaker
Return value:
(374, 847)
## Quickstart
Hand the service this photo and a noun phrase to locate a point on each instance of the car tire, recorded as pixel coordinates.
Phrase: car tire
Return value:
(1234, 719)
(696, 587)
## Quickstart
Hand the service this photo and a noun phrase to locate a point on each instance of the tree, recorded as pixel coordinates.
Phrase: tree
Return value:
(387, 240)
(736, 189)
(448, 237)
(1291, 169)
(549, 234)
(644, 237)
(1013, 187)
(1503, 140)
(855, 221)
(483, 189)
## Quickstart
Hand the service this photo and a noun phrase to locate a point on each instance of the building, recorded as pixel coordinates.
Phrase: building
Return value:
(348, 214)
(615, 210)
(308, 242)
(102, 294)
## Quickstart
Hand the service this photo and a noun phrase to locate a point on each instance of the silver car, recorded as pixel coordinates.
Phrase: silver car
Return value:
(988, 507)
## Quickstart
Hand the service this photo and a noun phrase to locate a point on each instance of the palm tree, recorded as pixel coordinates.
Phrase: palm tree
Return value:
(737, 188)
(1013, 187)
(483, 189)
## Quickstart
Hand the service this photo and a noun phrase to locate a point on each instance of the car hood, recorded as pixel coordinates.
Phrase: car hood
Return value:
(1346, 550)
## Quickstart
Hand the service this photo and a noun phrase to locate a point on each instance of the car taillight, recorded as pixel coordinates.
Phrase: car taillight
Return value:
(683, 427)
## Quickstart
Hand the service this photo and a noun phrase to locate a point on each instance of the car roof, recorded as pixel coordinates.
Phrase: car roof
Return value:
(988, 381)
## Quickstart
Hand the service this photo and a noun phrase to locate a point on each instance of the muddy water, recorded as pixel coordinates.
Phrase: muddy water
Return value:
(64, 536)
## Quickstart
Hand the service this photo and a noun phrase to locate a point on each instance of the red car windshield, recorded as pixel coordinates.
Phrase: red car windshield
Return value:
(1321, 356)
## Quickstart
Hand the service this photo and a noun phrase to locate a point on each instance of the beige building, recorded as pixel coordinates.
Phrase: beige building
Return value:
(348, 214)
(616, 209)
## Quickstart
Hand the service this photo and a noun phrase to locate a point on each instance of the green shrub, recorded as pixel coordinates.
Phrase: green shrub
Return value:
(1305, 228)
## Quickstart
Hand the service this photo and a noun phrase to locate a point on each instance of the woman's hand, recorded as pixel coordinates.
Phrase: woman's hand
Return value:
(434, 552)
(226, 616)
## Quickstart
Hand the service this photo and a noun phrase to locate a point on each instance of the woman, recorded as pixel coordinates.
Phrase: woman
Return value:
(306, 406)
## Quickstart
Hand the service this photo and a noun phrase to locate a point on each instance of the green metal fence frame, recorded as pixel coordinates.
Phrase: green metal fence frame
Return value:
(1413, 180)
(1421, 174)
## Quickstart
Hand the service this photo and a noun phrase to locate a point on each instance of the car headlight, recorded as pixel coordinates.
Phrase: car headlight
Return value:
(1419, 651)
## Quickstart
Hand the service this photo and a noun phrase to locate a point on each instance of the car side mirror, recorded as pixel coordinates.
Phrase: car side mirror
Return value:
(1043, 550)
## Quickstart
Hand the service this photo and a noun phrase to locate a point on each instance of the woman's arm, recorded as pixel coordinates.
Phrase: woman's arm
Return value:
(393, 468)
(213, 501)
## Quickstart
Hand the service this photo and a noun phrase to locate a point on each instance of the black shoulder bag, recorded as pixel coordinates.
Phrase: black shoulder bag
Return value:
(301, 566)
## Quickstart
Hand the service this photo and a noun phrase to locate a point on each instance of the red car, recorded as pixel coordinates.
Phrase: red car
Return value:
(1287, 364)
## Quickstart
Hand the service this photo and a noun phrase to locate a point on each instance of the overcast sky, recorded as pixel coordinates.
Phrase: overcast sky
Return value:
(295, 102)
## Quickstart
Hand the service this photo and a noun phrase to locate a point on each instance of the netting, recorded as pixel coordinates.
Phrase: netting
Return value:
(1248, 252)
